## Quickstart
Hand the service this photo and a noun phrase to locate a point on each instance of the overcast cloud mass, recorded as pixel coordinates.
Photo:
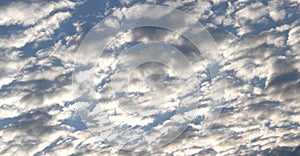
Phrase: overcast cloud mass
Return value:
(258, 51)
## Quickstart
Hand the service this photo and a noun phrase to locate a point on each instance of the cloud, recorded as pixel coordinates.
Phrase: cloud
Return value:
(31, 133)
(40, 32)
(260, 45)
(23, 13)
(294, 36)
(253, 12)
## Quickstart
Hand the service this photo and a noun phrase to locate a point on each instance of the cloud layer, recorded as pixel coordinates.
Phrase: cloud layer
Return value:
(259, 42)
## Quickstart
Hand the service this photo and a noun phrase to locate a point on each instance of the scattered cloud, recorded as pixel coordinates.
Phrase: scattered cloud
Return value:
(259, 42)
(26, 14)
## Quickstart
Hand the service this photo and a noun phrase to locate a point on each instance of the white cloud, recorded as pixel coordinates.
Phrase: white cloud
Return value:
(294, 36)
(253, 13)
(277, 15)
(40, 32)
(10, 65)
(22, 13)
(125, 2)
(195, 9)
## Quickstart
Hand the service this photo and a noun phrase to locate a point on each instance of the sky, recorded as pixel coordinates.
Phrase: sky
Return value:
(153, 77)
